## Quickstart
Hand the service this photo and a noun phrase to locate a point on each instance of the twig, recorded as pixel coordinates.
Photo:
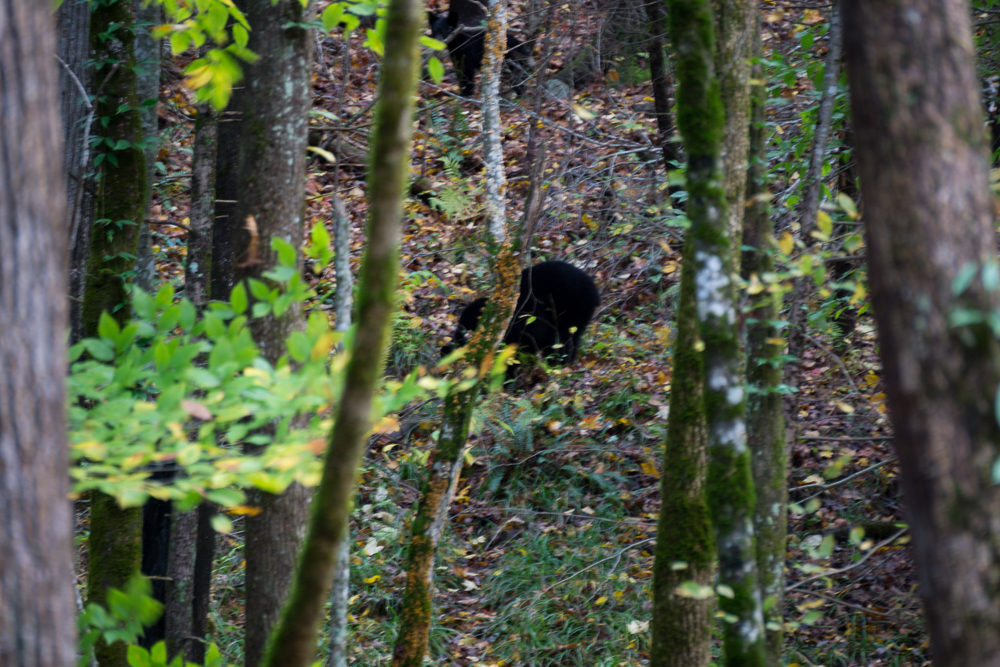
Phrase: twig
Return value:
(873, 438)
(847, 374)
(850, 567)
(827, 487)
(613, 556)
(851, 605)
(79, 84)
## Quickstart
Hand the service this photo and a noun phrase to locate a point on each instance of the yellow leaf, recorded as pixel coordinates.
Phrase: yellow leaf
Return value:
(649, 469)
(601, 600)
(245, 510)
(847, 205)
(755, 286)
(326, 155)
(322, 347)
(373, 579)
(387, 424)
(825, 223)
(786, 243)
(849, 409)
(93, 450)
(583, 113)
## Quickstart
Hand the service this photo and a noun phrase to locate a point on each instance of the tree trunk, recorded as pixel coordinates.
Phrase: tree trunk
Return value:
(923, 164)
(803, 286)
(735, 20)
(271, 189)
(682, 626)
(702, 121)
(765, 417)
(73, 27)
(657, 15)
(147, 55)
(438, 488)
(178, 610)
(37, 614)
(294, 643)
(115, 533)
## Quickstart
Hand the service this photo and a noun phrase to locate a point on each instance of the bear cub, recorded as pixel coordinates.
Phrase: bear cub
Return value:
(556, 297)
(467, 47)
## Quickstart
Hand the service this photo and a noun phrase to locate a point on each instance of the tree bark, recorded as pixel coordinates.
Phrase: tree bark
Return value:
(147, 55)
(765, 417)
(923, 164)
(37, 619)
(735, 22)
(271, 189)
(73, 28)
(682, 626)
(657, 15)
(438, 489)
(703, 123)
(294, 643)
(115, 533)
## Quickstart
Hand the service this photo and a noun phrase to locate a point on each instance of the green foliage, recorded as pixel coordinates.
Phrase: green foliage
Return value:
(128, 612)
(175, 387)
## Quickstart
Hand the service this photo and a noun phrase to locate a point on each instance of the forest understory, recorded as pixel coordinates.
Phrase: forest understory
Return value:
(548, 558)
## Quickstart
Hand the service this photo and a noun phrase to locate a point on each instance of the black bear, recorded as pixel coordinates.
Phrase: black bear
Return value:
(467, 46)
(554, 307)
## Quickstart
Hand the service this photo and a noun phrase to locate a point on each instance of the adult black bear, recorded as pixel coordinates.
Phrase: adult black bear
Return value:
(554, 307)
(467, 46)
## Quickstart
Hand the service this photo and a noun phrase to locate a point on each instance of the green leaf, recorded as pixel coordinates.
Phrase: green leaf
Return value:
(107, 327)
(298, 346)
(963, 279)
(138, 656)
(201, 378)
(432, 43)
(222, 524)
(331, 16)
(238, 298)
(281, 304)
(281, 274)
(240, 36)
(226, 497)
(142, 304)
(98, 349)
(320, 236)
(436, 69)
(165, 296)
(285, 250)
(188, 315)
(260, 290)
(260, 309)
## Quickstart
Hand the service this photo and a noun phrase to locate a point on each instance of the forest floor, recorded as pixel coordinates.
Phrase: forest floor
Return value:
(548, 556)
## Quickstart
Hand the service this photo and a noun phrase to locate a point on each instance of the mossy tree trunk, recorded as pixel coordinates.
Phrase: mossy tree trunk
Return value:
(764, 348)
(294, 642)
(735, 21)
(446, 460)
(924, 167)
(682, 625)
(37, 611)
(271, 193)
(702, 120)
(115, 533)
